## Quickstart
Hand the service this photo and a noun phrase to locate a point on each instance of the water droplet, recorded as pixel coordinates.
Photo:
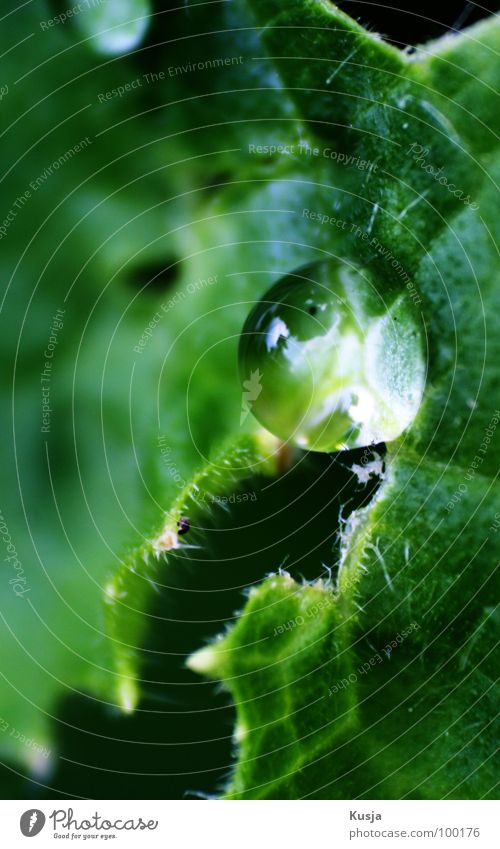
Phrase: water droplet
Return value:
(336, 369)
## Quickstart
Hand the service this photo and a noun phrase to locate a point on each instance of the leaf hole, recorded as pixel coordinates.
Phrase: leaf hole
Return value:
(155, 277)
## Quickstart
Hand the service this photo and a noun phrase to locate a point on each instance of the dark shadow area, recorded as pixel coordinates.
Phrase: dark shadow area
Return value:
(413, 23)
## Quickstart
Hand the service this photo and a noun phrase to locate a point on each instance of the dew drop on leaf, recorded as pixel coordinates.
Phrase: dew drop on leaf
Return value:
(336, 369)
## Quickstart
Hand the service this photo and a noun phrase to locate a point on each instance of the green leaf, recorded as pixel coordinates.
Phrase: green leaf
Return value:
(128, 204)
(113, 29)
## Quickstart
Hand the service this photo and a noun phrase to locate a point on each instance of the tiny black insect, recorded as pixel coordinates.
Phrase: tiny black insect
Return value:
(183, 525)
